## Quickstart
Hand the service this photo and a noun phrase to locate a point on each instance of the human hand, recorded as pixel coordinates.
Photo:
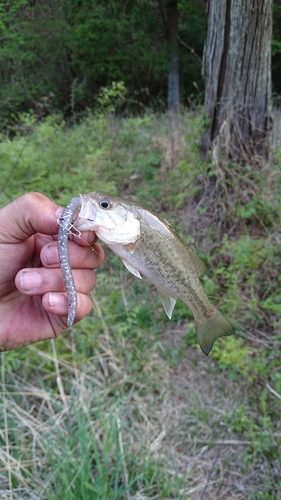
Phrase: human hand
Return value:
(33, 302)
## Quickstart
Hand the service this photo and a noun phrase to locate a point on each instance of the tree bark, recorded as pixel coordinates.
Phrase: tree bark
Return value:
(237, 67)
(173, 76)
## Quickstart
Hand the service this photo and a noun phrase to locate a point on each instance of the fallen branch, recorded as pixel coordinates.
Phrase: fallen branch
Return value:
(273, 391)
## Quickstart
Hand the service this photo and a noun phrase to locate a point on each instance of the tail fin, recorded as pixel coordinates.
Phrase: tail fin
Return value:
(210, 329)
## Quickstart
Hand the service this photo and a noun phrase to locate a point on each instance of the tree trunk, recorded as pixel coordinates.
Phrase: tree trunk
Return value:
(173, 76)
(237, 67)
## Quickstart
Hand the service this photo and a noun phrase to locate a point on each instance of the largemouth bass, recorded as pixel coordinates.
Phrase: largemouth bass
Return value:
(149, 247)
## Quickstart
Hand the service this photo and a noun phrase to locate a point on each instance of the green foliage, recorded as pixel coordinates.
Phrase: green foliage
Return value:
(231, 354)
(100, 462)
(110, 97)
(59, 55)
(245, 267)
(31, 58)
(258, 431)
(49, 159)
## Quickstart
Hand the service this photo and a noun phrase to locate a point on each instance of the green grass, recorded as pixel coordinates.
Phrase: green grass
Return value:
(124, 405)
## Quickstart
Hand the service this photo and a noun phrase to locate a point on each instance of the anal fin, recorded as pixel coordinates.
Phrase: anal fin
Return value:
(168, 303)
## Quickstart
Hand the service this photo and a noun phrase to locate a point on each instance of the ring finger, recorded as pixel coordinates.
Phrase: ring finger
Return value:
(40, 281)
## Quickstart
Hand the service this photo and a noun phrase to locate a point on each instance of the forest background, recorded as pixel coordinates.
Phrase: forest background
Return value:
(125, 405)
(57, 55)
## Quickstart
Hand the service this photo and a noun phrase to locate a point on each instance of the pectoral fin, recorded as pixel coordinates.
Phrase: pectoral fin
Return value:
(132, 269)
(168, 303)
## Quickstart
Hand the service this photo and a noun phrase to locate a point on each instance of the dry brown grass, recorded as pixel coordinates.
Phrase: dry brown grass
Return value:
(181, 426)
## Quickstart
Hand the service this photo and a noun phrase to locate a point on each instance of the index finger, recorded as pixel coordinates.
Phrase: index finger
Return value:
(30, 214)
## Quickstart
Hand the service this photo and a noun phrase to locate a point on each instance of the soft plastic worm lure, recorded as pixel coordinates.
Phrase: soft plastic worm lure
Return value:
(65, 228)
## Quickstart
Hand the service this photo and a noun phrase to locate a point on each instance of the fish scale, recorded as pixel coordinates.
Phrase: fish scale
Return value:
(174, 280)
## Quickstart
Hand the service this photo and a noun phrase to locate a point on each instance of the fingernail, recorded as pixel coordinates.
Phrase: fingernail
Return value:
(51, 255)
(56, 299)
(59, 211)
(93, 239)
(90, 237)
(30, 280)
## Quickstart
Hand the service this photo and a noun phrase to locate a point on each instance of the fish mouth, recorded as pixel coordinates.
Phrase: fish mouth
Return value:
(86, 217)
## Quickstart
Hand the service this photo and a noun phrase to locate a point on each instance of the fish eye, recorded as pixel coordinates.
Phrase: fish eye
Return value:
(105, 204)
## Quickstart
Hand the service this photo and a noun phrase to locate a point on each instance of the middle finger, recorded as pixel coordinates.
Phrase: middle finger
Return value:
(41, 280)
(89, 257)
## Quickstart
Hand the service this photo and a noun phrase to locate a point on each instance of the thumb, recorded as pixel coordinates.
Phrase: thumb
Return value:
(31, 213)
